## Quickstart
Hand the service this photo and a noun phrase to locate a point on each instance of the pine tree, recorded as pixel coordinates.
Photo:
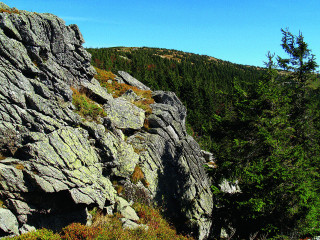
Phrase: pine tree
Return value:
(268, 141)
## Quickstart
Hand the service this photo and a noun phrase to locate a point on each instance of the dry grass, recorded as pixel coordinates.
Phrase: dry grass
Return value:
(138, 175)
(139, 150)
(118, 89)
(2, 204)
(2, 157)
(118, 187)
(103, 76)
(10, 11)
(146, 124)
(19, 166)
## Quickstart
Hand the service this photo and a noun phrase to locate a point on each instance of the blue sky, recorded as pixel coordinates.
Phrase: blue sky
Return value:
(239, 31)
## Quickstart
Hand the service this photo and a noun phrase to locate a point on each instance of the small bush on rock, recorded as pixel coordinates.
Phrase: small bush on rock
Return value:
(78, 231)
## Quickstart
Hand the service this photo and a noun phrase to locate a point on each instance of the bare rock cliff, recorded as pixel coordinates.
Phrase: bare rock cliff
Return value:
(55, 165)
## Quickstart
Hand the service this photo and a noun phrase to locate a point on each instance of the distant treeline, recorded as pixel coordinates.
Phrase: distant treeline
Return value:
(203, 83)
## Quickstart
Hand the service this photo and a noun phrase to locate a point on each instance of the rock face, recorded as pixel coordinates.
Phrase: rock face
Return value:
(128, 79)
(55, 164)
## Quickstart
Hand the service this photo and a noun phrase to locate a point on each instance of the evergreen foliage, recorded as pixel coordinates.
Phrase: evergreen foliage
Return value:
(270, 145)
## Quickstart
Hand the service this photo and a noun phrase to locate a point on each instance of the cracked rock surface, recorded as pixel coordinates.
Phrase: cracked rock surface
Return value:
(55, 165)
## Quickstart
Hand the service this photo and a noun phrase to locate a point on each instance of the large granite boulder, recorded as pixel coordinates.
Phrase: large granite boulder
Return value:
(124, 114)
(8, 223)
(172, 163)
(125, 77)
(55, 164)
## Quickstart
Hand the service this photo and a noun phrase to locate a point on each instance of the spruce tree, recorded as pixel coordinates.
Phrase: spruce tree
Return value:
(268, 142)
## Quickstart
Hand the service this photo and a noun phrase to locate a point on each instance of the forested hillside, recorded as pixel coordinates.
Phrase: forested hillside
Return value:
(262, 125)
(200, 81)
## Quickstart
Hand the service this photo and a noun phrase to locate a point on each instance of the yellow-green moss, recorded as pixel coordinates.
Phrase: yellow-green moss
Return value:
(86, 107)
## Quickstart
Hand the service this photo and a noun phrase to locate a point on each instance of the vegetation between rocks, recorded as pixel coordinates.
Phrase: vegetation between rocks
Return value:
(107, 80)
(86, 107)
(138, 175)
(107, 227)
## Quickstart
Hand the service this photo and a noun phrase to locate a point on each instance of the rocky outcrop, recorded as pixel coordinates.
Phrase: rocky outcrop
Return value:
(8, 223)
(124, 114)
(128, 79)
(56, 164)
(173, 165)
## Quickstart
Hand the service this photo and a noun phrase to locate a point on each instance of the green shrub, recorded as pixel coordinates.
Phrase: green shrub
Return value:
(43, 234)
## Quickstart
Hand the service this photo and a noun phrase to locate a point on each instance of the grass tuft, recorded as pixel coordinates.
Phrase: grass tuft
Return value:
(86, 107)
(146, 124)
(138, 175)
